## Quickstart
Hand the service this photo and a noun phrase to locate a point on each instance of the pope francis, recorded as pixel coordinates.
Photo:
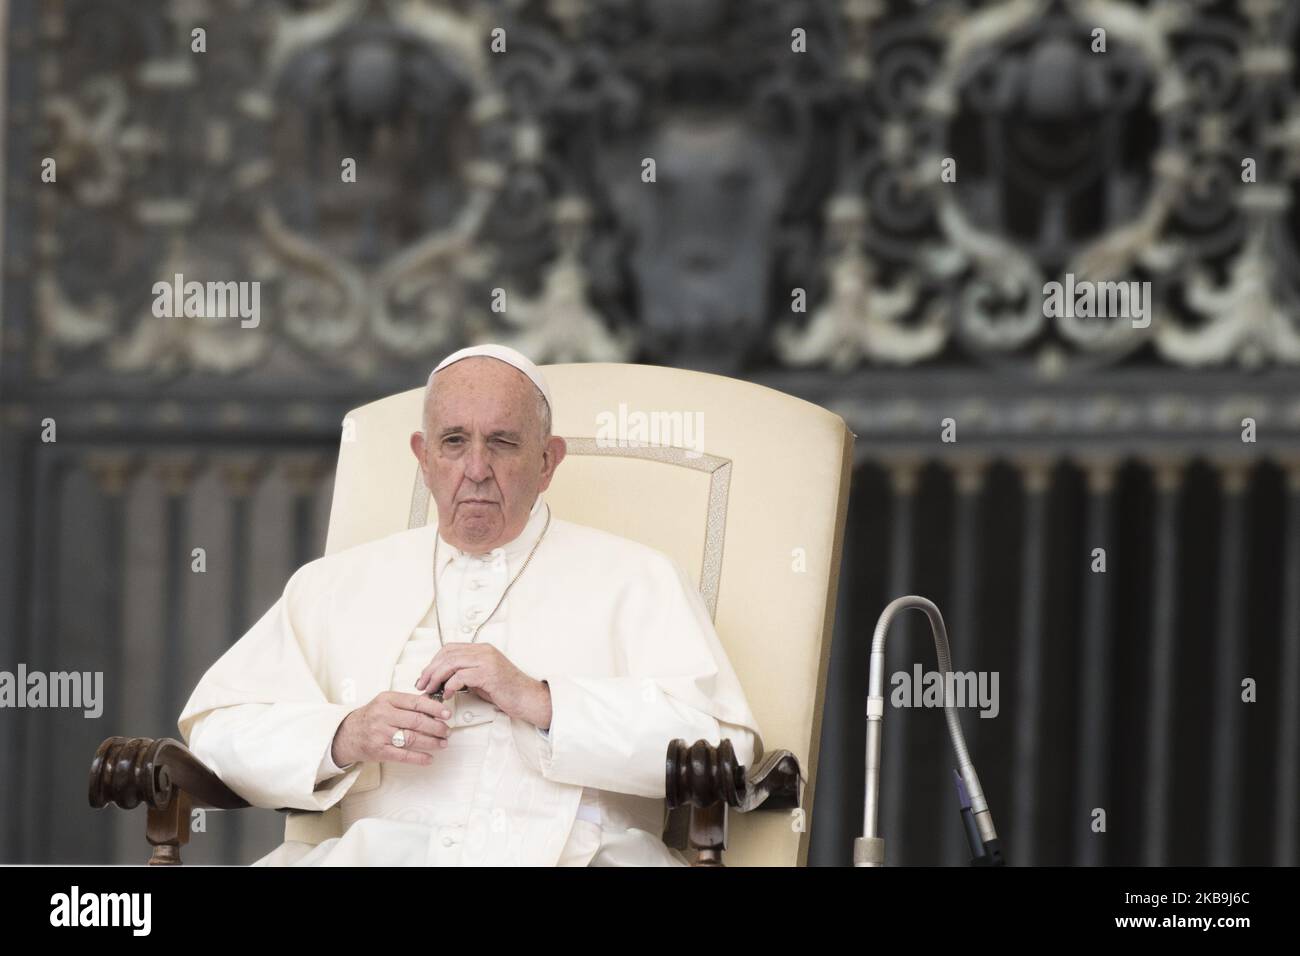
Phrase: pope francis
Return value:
(496, 689)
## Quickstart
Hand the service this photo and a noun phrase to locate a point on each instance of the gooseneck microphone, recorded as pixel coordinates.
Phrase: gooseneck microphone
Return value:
(869, 849)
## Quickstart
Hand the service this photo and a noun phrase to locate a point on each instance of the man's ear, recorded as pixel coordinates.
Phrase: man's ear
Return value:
(417, 446)
(556, 449)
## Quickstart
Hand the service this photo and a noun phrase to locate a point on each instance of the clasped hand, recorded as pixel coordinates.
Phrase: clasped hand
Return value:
(367, 732)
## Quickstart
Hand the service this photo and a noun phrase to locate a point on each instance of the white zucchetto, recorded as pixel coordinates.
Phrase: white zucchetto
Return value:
(505, 354)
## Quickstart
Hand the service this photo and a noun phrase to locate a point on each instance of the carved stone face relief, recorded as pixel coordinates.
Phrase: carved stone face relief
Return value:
(701, 237)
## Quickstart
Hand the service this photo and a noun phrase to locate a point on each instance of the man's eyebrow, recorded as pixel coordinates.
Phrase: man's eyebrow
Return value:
(461, 430)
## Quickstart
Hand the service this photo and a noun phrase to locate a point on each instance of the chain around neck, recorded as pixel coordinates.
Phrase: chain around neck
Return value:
(437, 611)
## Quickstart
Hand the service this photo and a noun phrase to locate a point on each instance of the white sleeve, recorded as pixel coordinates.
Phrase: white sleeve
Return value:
(612, 732)
(260, 720)
(328, 768)
(261, 750)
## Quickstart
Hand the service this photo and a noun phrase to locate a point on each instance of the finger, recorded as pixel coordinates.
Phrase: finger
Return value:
(420, 703)
(423, 682)
(421, 743)
(468, 677)
(454, 649)
(397, 755)
(446, 657)
(422, 724)
(437, 676)
(433, 662)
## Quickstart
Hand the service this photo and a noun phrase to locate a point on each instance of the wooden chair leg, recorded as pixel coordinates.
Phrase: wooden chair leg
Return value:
(168, 830)
(708, 834)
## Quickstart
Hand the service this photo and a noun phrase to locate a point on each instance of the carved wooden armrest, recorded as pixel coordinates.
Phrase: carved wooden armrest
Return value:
(703, 780)
(164, 776)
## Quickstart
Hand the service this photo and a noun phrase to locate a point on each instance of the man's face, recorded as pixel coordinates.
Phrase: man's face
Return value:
(482, 453)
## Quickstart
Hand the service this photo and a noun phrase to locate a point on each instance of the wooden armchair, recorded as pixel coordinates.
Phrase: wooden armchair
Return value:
(702, 782)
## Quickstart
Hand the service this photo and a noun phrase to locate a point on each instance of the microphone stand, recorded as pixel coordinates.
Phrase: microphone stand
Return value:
(869, 849)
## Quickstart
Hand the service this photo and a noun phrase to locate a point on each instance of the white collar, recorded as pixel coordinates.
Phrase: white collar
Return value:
(514, 550)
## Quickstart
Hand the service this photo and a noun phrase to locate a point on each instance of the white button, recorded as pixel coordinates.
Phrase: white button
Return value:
(465, 628)
(467, 716)
(472, 613)
(447, 841)
(475, 584)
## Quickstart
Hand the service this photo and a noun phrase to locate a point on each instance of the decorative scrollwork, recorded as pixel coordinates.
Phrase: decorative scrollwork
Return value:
(704, 774)
(129, 771)
(701, 775)
(922, 171)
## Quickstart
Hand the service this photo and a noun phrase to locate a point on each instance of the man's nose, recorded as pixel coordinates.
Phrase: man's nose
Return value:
(477, 466)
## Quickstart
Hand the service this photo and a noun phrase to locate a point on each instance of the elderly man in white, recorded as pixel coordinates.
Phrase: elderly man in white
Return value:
(527, 672)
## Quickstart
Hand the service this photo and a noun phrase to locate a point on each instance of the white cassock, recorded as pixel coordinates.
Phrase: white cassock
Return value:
(616, 628)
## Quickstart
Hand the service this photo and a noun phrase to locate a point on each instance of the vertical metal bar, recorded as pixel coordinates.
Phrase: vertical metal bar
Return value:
(968, 482)
(1168, 475)
(1225, 684)
(1091, 789)
(894, 759)
(1023, 851)
(1286, 845)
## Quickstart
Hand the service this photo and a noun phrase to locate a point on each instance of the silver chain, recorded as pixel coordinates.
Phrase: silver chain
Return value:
(437, 611)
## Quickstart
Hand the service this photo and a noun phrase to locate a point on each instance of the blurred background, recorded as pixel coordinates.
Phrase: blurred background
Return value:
(857, 202)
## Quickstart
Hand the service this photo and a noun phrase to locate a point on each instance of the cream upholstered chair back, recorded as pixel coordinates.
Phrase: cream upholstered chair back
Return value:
(745, 487)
